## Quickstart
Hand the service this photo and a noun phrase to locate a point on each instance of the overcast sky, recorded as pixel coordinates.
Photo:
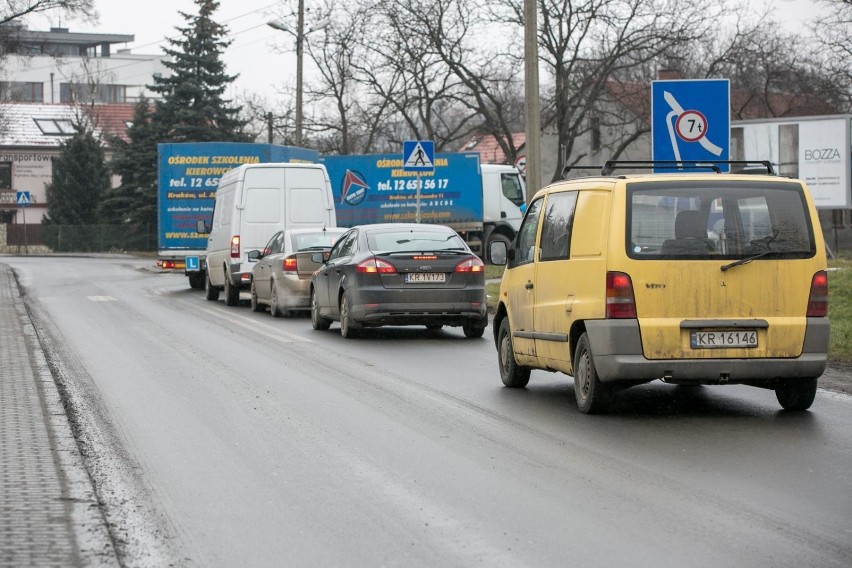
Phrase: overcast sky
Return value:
(261, 69)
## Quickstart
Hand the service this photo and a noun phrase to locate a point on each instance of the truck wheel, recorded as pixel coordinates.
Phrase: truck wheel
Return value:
(232, 293)
(514, 376)
(497, 237)
(255, 305)
(196, 280)
(317, 321)
(593, 396)
(796, 394)
(211, 292)
(349, 328)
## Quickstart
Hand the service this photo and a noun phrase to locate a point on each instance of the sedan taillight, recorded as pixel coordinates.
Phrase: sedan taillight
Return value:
(376, 265)
(289, 264)
(470, 265)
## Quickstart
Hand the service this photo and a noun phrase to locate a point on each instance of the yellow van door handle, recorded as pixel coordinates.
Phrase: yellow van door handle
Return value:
(528, 285)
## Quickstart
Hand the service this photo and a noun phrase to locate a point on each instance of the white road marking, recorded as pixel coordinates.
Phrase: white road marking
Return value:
(102, 298)
(253, 325)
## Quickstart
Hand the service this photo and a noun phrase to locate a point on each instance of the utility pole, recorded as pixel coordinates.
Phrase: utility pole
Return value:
(532, 111)
(300, 38)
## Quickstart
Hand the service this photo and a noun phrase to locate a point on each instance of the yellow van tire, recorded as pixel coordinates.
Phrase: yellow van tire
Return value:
(593, 396)
(797, 394)
(513, 375)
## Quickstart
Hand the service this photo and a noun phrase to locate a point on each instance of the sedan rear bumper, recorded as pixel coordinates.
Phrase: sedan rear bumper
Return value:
(453, 314)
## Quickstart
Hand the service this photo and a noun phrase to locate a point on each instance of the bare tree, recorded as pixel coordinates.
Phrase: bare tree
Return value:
(597, 51)
(407, 80)
(488, 90)
(18, 9)
(834, 35)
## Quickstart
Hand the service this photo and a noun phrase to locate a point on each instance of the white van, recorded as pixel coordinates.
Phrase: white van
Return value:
(253, 202)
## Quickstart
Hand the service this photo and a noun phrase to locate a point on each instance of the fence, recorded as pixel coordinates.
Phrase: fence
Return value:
(81, 238)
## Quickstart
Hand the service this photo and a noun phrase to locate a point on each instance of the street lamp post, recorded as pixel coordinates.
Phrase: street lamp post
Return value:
(300, 34)
(300, 38)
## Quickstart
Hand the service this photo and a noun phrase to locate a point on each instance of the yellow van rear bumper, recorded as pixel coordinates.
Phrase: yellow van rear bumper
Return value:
(617, 350)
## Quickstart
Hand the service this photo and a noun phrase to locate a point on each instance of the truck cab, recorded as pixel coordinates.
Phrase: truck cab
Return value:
(503, 203)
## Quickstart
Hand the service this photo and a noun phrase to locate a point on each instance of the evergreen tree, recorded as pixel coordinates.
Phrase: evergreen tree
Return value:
(192, 108)
(80, 177)
(134, 201)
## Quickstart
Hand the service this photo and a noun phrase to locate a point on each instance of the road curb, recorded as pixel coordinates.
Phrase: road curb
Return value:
(76, 533)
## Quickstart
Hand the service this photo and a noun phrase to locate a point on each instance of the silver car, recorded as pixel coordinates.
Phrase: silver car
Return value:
(281, 276)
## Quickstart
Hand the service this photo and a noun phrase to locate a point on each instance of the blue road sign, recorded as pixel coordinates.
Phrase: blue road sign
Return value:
(418, 156)
(691, 121)
(22, 197)
(192, 264)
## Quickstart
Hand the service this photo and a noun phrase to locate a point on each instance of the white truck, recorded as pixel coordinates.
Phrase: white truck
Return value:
(482, 202)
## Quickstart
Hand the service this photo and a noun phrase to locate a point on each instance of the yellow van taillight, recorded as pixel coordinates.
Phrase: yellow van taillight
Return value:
(818, 299)
(235, 246)
(620, 302)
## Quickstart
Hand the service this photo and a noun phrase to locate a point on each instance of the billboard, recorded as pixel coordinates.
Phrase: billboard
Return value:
(376, 189)
(813, 149)
(188, 174)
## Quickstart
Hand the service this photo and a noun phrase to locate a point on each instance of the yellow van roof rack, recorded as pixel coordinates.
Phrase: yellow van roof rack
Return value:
(742, 166)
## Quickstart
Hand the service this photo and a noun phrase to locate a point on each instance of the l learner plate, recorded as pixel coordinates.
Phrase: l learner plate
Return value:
(723, 339)
(420, 277)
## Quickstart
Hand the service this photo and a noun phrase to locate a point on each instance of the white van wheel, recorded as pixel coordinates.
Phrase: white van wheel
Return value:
(593, 396)
(232, 293)
(210, 291)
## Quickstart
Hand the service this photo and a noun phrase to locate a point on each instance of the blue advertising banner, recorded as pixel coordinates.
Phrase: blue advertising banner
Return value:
(188, 175)
(376, 189)
(690, 121)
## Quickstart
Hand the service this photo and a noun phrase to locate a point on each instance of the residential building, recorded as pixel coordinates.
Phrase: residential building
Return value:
(59, 66)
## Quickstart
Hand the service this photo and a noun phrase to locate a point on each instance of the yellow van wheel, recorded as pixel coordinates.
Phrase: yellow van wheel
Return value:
(796, 394)
(593, 396)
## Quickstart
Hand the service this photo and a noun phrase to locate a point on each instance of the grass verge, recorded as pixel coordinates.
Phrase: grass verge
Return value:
(840, 310)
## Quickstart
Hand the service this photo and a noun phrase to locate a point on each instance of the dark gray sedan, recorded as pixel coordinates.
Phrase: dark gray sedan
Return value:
(399, 274)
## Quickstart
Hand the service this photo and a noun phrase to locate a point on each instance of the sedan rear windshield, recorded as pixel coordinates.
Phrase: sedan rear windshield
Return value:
(414, 240)
(702, 220)
(317, 240)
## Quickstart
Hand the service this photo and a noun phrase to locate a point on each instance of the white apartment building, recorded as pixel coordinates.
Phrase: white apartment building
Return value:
(59, 66)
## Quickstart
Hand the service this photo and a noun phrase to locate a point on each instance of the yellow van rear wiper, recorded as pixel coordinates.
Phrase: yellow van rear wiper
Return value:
(760, 255)
(746, 260)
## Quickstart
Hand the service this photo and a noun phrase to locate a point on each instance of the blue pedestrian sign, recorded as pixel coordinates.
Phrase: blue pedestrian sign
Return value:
(192, 264)
(418, 156)
(691, 121)
(22, 197)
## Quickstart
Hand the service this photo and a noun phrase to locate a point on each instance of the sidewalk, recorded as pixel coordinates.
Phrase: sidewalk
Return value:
(48, 509)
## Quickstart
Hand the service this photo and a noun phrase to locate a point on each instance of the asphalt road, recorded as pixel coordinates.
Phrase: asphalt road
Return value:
(221, 437)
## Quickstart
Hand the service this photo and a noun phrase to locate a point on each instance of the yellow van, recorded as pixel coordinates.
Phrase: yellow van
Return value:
(691, 278)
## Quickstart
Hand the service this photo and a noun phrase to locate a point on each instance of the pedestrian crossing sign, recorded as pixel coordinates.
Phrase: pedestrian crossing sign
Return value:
(22, 198)
(418, 156)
